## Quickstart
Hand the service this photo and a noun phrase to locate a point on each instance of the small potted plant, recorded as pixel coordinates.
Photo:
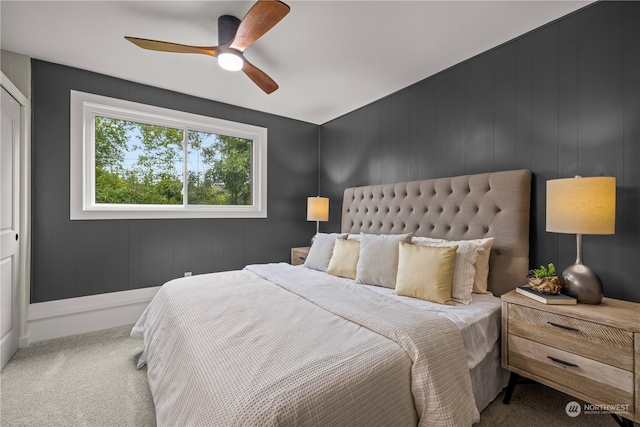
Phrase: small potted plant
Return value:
(544, 279)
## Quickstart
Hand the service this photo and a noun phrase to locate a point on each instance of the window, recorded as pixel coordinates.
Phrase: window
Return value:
(130, 160)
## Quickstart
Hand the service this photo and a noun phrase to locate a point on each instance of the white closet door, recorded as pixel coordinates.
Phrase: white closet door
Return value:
(9, 224)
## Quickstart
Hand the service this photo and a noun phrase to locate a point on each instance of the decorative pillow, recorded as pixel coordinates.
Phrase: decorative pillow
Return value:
(482, 265)
(482, 261)
(464, 268)
(321, 251)
(378, 264)
(344, 260)
(426, 272)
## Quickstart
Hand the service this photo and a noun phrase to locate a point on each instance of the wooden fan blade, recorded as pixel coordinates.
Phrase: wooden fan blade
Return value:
(172, 47)
(260, 19)
(259, 77)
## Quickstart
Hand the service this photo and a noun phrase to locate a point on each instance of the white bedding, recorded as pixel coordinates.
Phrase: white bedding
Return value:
(348, 358)
(480, 324)
(479, 321)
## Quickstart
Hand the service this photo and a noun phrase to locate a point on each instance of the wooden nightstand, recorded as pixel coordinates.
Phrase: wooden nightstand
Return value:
(299, 255)
(587, 351)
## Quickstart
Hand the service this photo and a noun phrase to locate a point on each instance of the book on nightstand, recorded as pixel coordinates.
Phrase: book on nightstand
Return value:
(546, 298)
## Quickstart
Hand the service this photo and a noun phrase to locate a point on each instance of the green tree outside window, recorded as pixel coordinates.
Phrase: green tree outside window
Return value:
(138, 163)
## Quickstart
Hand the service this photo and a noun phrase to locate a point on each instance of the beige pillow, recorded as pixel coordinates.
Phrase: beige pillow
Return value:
(378, 263)
(482, 260)
(344, 260)
(464, 270)
(426, 272)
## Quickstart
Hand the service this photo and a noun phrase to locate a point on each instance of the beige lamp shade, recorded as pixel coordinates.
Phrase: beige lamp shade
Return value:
(318, 209)
(582, 205)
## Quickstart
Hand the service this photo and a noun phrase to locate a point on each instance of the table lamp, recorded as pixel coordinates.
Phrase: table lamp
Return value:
(582, 206)
(317, 210)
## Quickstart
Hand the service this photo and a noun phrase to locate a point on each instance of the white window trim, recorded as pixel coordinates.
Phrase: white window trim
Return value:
(85, 106)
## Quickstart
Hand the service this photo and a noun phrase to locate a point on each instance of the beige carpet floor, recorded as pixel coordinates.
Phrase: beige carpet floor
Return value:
(91, 380)
(82, 380)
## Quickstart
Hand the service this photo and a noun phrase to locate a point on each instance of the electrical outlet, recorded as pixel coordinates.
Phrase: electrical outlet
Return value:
(187, 274)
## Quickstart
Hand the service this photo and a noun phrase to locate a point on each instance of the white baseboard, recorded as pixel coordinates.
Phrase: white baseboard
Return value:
(61, 318)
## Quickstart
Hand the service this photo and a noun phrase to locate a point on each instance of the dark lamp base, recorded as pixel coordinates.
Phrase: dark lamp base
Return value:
(582, 283)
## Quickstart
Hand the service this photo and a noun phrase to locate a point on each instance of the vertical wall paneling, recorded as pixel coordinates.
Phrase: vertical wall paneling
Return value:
(561, 100)
(385, 143)
(356, 140)
(479, 114)
(426, 151)
(504, 111)
(80, 258)
(199, 252)
(440, 105)
(152, 254)
(233, 248)
(135, 252)
(523, 102)
(456, 132)
(179, 248)
(374, 157)
(399, 140)
(628, 226)
(413, 135)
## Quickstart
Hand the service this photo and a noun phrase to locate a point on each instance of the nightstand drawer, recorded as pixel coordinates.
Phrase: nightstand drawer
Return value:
(298, 258)
(299, 255)
(604, 383)
(599, 342)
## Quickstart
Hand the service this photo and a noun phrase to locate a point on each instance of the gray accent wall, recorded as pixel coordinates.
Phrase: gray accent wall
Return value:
(79, 258)
(561, 100)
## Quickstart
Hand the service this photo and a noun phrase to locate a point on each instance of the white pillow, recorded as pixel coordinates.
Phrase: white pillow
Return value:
(482, 265)
(378, 263)
(464, 271)
(321, 251)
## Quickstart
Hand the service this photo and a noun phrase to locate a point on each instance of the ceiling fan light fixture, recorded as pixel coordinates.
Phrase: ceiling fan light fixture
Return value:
(230, 61)
(234, 36)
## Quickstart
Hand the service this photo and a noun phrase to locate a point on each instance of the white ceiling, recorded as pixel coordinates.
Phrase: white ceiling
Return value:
(329, 57)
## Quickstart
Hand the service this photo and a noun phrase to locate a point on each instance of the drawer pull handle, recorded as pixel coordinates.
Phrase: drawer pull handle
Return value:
(573, 365)
(569, 328)
(303, 258)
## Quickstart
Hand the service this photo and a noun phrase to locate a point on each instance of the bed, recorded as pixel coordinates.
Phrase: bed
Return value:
(341, 343)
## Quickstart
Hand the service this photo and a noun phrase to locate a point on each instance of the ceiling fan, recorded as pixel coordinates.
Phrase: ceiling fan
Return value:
(234, 36)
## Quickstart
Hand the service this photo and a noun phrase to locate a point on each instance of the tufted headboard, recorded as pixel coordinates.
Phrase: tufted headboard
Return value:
(466, 207)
